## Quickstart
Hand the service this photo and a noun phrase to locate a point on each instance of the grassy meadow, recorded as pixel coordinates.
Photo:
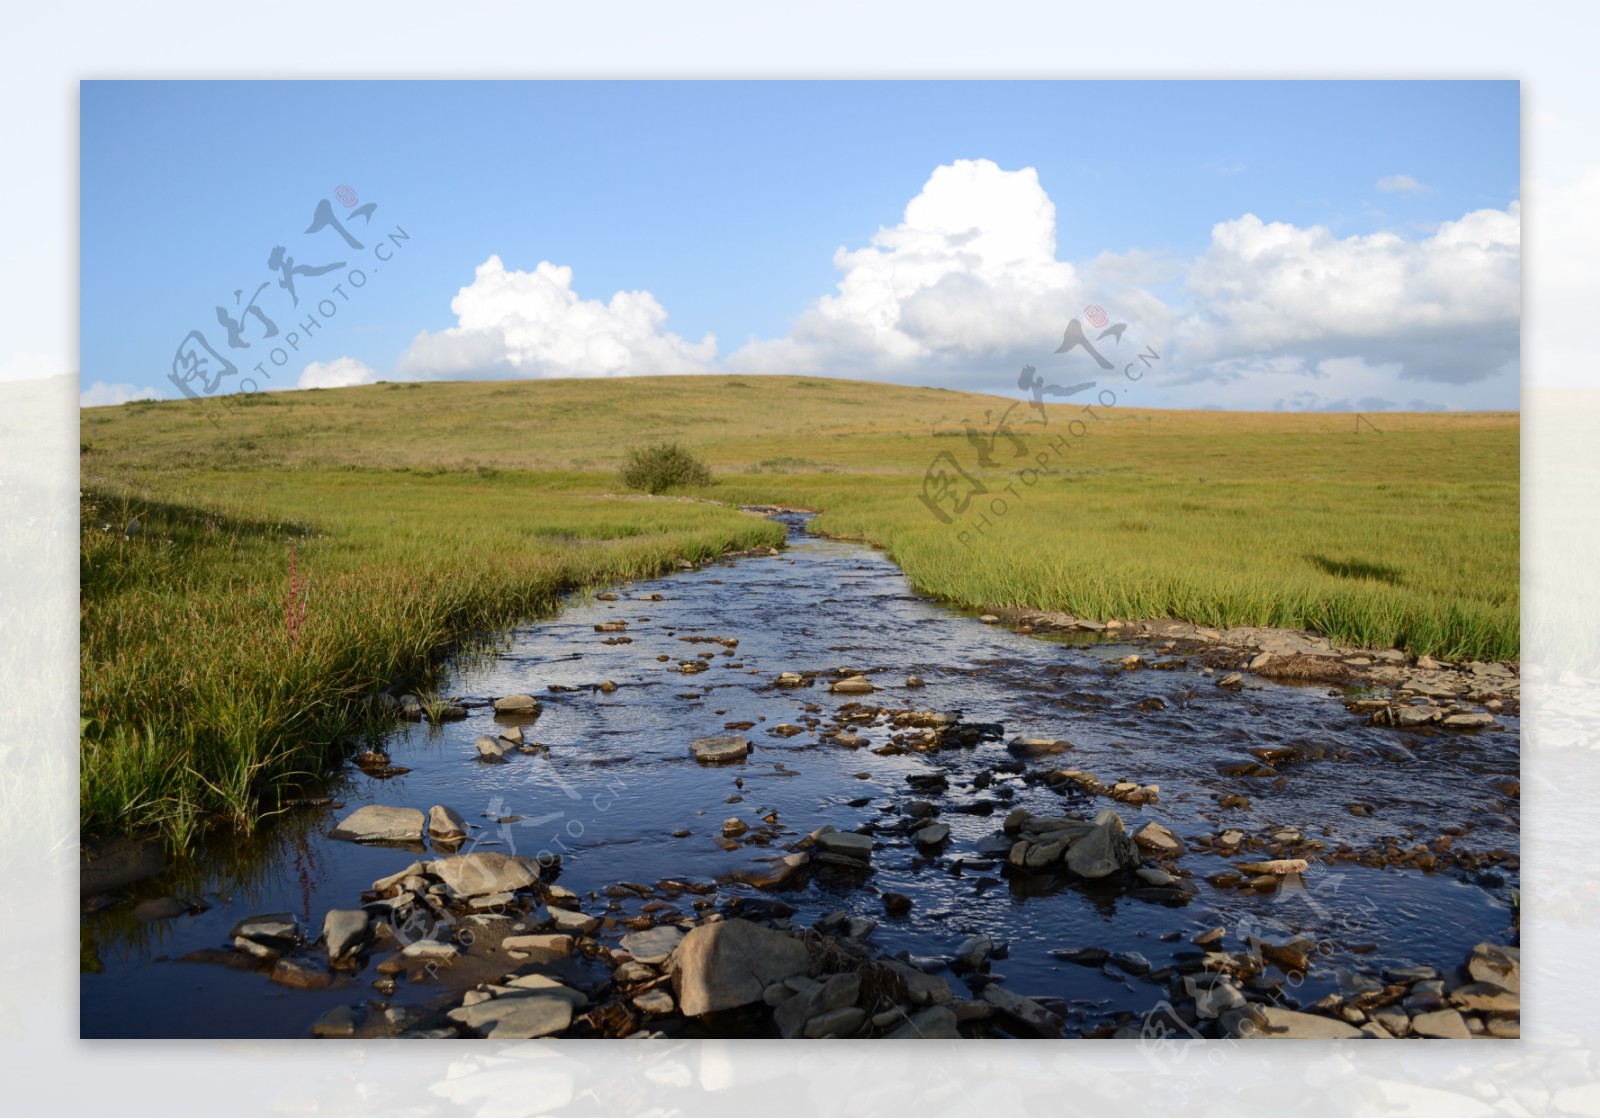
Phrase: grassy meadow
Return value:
(422, 515)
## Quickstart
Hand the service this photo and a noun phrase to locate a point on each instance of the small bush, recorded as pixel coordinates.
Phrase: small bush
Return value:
(661, 466)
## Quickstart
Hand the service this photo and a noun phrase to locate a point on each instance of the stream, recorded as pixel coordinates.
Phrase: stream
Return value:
(617, 795)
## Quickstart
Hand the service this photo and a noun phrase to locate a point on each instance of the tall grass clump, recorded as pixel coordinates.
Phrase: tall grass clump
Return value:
(660, 467)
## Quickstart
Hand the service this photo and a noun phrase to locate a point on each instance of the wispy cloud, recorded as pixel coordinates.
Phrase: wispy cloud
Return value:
(1392, 184)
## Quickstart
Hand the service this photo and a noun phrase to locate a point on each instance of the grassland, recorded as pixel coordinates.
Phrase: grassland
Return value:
(422, 514)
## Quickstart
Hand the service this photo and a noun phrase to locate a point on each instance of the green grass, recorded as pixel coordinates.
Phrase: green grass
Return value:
(423, 515)
(198, 706)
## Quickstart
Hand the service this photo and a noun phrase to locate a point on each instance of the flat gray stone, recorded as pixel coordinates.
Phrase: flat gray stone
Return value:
(655, 1001)
(1291, 1024)
(520, 704)
(1157, 840)
(485, 872)
(635, 971)
(720, 749)
(1415, 715)
(849, 843)
(378, 823)
(1441, 1024)
(269, 928)
(652, 946)
(516, 1017)
(573, 923)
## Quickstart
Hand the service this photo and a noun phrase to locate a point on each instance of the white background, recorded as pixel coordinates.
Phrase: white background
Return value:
(46, 50)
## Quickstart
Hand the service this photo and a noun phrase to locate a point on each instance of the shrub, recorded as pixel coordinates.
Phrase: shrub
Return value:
(661, 466)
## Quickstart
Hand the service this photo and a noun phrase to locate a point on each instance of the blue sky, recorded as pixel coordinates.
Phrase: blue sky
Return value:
(1381, 265)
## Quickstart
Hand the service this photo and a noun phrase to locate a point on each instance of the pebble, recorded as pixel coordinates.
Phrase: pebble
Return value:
(540, 947)
(656, 1001)
(573, 923)
(652, 946)
(848, 843)
(838, 1023)
(520, 704)
(720, 749)
(1440, 1024)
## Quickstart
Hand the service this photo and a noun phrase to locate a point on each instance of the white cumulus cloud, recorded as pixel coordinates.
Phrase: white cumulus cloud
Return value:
(100, 394)
(971, 284)
(1443, 308)
(339, 373)
(969, 276)
(533, 324)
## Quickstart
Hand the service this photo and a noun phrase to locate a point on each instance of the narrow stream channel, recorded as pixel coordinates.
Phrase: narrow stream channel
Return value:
(619, 797)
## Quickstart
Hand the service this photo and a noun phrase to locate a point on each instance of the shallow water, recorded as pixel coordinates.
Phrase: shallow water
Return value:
(618, 780)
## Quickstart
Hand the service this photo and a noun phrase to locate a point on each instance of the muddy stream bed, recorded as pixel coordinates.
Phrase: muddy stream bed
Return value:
(615, 792)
